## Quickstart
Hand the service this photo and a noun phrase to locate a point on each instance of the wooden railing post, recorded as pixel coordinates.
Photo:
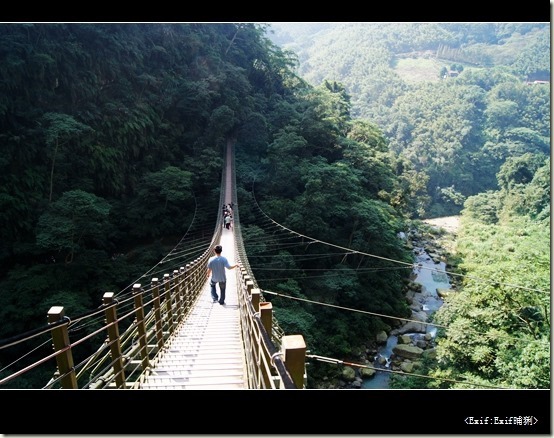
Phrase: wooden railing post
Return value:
(243, 273)
(168, 306)
(113, 336)
(182, 292)
(193, 278)
(294, 356)
(255, 297)
(266, 315)
(178, 297)
(265, 311)
(60, 340)
(249, 285)
(157, 312)
(188, 290)
(141, 327)
(199, 275)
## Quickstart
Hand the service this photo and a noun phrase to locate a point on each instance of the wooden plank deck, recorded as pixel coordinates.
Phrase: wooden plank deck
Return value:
(206, 350)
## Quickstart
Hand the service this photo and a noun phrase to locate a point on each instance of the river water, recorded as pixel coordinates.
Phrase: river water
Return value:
(430, 276)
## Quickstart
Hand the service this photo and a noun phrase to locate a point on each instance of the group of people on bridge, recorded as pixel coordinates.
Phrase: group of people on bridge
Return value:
(228, 215)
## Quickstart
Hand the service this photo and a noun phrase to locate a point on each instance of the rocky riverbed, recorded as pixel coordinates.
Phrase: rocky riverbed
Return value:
(405, 346)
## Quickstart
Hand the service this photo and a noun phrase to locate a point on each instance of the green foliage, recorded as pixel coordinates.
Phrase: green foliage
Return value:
(62, 127)
(451, 195)
(498, 324)
(501, 114)
(537, 193)
(457, 67)
(528, 367)
(75, 218)
(173, 184)
(494, 326)
(410, 195)
(518, 170)
(339, 285)
(483, 207)
(222, 121)
(420, 381)
(337, 105)
(331, 178)
(443, 128)
(534, 59)
(163, 200)
(296, 320)
(254, 133)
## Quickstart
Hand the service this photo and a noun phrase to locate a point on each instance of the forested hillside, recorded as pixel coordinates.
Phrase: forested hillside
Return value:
(112, 134)
(442, 93)
(466, 108)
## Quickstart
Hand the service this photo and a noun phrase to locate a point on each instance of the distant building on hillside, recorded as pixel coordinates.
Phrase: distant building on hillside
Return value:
(450, 74)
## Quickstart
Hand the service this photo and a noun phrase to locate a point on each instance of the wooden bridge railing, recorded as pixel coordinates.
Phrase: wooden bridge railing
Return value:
(137, 328)
(267, 366)
(124, 360)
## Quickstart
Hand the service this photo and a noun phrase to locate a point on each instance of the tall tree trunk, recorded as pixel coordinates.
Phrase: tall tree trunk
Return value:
(232, 40)
(52, 172)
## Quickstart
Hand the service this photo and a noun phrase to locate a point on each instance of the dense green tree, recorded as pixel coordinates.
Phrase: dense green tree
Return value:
(440, 130)
(495, 327)
(77, 217)
(501, 114)
(409, 195)
(499, 322)
(534, 60)
(484, 207)
(60, 130)
(280, 159)
(518, 170)
(487, 78)
(164, 201)
(538, 195)
(123, 127)
(322, 184)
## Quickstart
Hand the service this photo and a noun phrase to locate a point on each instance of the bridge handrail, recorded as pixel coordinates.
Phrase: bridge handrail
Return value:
(277, 332)
(262, 335)
(146, 325)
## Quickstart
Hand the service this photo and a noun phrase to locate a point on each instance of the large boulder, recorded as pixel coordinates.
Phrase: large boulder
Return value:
(381, 337)
(421, 343)
(443, 292)
(348, 374)
(413, 326)
(408, 351)
(407, 367)
(366, 372)
(404, 339)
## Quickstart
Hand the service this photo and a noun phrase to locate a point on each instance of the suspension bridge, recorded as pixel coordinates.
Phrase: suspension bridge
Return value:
(169, 334)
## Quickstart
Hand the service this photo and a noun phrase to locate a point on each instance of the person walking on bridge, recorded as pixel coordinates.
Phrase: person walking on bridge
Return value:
(216, 267)
(228, 220)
